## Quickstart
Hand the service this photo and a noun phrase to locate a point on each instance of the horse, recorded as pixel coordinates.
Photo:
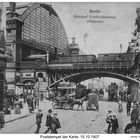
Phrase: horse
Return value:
(79, 102)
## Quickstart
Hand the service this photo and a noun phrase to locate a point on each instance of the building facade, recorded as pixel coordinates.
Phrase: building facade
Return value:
(74, 47)
(33, 30)
(3, 56)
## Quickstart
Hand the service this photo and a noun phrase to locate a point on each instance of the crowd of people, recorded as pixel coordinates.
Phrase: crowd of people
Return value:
(14, 104)
(33, 103)
(52, 122)
(17, 104)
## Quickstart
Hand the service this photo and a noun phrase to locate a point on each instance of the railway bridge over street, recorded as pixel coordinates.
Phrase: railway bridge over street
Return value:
(121, 66)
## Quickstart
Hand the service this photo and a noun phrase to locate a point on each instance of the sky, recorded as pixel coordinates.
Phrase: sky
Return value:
(103, 37)
(100, 37)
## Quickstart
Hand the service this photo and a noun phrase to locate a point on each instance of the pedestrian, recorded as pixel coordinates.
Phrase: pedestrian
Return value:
(30, 104)
(21, 102)
(120, 107)
(109, 113)
(48, 121)
(109, 121)
(34, 101)
(2, 119)
(121, 94)
(39, 116)
(133, 129)
(41, 96)
(127, 129)
(55, 124)
(135, 113)
(17, 107)
(128, 107)
(115, 124)
(138, 128)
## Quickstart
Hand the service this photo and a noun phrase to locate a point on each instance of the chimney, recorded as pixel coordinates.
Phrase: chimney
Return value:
(73, 40)
(12, 6)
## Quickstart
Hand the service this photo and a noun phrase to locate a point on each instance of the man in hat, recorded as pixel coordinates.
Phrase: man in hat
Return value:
(120, 106)
(115, 124)
(128, 105)
(138, 128)
(48, 121)
(109, 120)
(133, 129)
(128, 128)
(135, 113)
(2, 119)
(39, 116)
(55, 124)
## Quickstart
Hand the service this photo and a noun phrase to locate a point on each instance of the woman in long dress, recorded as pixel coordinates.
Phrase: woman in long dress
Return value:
(17, 107)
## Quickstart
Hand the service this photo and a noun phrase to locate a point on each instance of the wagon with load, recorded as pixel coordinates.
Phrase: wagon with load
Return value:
(63, 102)
(92, 102)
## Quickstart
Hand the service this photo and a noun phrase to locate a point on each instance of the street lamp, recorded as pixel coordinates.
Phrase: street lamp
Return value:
(47, 57)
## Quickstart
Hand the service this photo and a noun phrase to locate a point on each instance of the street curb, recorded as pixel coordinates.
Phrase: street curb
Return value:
(20, 117)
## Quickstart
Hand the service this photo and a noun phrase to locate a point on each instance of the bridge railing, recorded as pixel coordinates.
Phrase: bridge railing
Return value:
(114, 64)
(33, 64)
(100, 64)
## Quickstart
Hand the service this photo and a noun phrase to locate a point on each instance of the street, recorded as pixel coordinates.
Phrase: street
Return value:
(72, 121)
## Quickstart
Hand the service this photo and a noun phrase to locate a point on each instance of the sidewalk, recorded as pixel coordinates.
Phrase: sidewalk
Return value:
(25, 112)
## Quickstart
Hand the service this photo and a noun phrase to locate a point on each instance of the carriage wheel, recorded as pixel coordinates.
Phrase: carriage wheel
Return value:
(65, 106)
(54, 104)
(70, 106)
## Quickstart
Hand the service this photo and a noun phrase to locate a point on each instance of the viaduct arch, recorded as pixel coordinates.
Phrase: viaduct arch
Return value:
(81, 76)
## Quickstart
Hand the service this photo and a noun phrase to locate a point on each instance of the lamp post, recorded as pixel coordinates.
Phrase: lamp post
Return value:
(121, 54)
(47, 57)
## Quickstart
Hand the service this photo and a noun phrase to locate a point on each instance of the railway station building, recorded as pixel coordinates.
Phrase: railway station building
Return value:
(33, 31)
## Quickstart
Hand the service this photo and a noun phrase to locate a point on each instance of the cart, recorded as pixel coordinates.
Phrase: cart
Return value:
(63, 102)
(92, 102)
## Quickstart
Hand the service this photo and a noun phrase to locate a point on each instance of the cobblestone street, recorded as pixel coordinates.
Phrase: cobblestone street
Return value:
(72, 121)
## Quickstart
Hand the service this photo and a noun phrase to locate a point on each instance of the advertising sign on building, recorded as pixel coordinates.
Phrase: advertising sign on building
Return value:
(19, 90)
(11, 86)
(42, 87)
(28, 75)
(66, 85)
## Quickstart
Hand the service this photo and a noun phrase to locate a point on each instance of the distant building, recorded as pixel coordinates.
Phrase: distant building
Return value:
(74, 47)
(134, 45)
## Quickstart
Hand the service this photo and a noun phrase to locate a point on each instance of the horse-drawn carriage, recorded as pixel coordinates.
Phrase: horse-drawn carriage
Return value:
(63, 102)
(92, 102)
(64, 96)
(68, 102)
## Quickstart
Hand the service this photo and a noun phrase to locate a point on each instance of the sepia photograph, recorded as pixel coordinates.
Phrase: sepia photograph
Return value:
(69, 68)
